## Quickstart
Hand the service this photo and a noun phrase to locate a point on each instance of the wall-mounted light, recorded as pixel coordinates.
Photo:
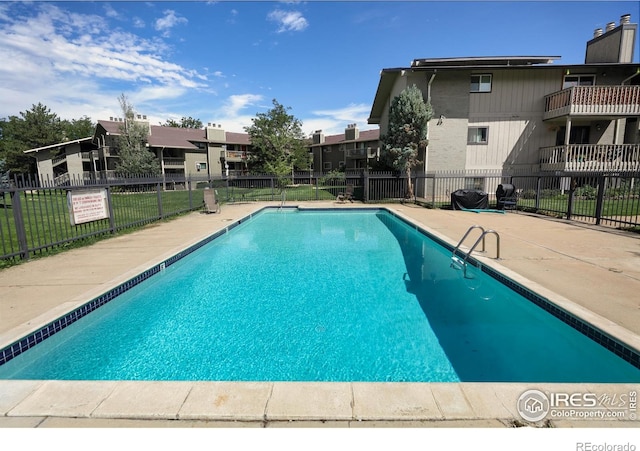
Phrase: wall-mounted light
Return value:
(567, 72)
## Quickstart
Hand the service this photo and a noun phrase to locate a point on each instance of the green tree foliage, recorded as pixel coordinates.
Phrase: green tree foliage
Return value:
(78, 128)
(135, 158)
(278, 143)
(407, 134)
(37, 127)
(4, 173)
(185, 122)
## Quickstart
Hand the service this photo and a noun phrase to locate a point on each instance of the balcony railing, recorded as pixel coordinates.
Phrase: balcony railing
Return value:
(58, 160)
(356, 153)
(593, 101)
(173, 162)
(236, 155)
(361, 152)
(590, 157)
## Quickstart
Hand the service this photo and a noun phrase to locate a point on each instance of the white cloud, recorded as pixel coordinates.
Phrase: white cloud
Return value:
(238, 102)
(109, 11)
(351, 113)
(138, 23)
(231, 115)
(4, 12)
(288, 20)
(43, 45)
(333, 122)
(76, 65)
(170, 20)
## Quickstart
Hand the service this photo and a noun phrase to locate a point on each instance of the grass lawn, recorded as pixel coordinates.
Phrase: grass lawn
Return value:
(46, 217)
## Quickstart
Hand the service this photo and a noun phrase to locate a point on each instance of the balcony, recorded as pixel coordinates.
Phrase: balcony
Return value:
(110, 151)
(58, 160)
(173, 162)
(361, 152)
(591, 157)
(612, 101)
(236, 155)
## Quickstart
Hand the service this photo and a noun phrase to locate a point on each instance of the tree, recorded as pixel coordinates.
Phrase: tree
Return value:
(409, 116)
(4, 173)
(37, 127)
(277, 142)
(78, 128)
(185, 122)
(135, 158)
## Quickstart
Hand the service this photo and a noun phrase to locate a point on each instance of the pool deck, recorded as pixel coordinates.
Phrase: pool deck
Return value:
(593, 272)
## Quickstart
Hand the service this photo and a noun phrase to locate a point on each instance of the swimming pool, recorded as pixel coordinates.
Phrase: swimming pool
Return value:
(374, 299)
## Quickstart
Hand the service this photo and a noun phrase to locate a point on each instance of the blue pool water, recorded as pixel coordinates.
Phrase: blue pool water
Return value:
(320, 296)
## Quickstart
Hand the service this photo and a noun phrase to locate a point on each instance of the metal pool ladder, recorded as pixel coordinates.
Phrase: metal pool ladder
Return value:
(461, 263)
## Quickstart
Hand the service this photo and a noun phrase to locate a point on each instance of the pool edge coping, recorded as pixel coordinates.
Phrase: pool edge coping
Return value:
(291, 401)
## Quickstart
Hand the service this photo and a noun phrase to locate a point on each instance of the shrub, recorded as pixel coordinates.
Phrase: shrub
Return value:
(586, 192)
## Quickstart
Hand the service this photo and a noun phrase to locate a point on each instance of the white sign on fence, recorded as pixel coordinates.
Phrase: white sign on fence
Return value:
(87, 205)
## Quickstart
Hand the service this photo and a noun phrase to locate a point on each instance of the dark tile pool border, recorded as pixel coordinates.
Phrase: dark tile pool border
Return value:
(18, 347)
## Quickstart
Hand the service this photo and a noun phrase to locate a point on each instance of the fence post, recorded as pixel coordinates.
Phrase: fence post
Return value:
(538, 183)
(159, 192)
(272, 191)
(317, 190)
(190, 193)
(365, 186)
(19, 222)
(600, 199)
(112, 220)
(570, 202)
(433, 192)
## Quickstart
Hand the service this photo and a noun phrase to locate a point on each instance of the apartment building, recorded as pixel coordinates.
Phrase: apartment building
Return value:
(206, 152)
(528, 112)
(354, 149)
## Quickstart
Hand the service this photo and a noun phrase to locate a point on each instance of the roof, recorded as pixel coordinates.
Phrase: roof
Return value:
(176, 137)
(364, 135)
(58, 145)
(485, 61)
(237, 138)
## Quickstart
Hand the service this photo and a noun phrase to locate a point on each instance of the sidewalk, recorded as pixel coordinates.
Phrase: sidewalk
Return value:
(594, 271)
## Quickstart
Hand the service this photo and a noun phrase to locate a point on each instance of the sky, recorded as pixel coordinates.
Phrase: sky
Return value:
(223, 62)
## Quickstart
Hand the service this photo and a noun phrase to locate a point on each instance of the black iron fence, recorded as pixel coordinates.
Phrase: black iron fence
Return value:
(37, 218)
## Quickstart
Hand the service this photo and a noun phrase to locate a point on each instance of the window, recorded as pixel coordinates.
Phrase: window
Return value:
(481, 83)
(578, 80)
(478, 135)
(201, 166)
(326, 166)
